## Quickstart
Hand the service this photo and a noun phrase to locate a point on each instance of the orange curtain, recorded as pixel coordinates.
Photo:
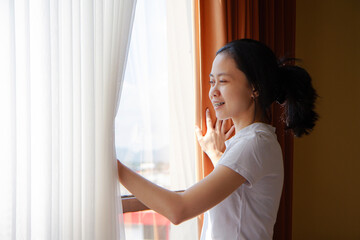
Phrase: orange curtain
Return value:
(271, 22)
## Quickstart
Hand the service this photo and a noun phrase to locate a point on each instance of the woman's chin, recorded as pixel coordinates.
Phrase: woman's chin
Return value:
(220, 116)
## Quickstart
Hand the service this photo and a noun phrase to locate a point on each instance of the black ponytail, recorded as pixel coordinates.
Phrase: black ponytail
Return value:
(298, 97)
(288, 85)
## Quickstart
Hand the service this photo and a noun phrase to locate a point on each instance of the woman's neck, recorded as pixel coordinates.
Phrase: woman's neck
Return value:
(248, 119)
(242, 124)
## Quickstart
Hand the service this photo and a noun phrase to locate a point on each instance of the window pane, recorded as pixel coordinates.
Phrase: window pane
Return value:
(146, 225)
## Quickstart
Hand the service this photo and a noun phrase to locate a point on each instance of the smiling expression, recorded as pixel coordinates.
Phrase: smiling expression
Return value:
(230, 91)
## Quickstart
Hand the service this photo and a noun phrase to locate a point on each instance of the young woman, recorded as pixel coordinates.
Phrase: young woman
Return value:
(241, 195)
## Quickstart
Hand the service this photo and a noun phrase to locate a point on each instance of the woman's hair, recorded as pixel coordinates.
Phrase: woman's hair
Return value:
(275, 81)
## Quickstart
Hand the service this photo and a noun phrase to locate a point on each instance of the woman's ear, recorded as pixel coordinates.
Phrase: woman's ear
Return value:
(255, 93)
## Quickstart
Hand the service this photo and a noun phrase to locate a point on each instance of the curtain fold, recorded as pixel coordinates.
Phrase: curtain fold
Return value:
(277, 30)
(156, 138)
(271, 22)
(61, 70)
(181, 106)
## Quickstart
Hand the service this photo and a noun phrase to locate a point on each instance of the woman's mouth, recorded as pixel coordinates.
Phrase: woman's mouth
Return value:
(218, 104)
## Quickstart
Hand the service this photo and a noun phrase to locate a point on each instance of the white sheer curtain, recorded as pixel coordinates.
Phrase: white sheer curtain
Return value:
(181, 106)
(155, 122)
(61, 68)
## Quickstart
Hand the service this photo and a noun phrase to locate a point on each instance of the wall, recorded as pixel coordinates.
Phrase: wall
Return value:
(326, 203)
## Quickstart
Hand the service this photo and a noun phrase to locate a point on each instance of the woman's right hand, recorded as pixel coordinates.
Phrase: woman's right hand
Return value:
(213, 143)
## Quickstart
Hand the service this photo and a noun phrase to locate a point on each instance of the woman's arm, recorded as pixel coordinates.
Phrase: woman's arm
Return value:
(214, 188)
(178, 207)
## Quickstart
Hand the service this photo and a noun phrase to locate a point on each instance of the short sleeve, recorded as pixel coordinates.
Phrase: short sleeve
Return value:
(245, 156)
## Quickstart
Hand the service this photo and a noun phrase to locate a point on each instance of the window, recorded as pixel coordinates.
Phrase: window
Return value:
(154, 130)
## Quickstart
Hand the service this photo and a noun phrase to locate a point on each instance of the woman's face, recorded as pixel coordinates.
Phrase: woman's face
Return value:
(230, 92)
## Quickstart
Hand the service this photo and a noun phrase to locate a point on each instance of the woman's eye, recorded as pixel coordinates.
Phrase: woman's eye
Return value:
(212, 82)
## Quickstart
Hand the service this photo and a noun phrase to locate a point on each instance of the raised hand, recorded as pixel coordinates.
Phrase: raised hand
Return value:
(213, 143)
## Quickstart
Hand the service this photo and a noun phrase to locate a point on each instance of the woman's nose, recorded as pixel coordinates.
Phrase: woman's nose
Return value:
(214, 92)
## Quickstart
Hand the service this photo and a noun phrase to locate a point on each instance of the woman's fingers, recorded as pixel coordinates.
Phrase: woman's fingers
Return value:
(224, 125)
(231, 130)
(218, 125)
(198, 133)
(209, 124)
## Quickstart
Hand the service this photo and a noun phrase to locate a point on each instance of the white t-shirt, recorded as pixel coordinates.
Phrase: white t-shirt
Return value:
(250, 211)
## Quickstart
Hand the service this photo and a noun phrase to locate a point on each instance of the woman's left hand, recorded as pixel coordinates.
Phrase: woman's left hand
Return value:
(213, 143)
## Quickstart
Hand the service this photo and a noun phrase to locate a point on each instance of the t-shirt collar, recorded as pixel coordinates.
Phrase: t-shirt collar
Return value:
(254, 127)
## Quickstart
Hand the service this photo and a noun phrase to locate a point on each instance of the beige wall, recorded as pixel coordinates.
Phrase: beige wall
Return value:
(326, 203)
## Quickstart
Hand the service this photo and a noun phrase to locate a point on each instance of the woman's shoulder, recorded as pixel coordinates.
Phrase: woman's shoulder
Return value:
(256, 134)
(258, 145)
(254, 153)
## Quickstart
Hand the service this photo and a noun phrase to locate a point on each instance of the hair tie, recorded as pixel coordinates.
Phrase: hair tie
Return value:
(281, 98)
